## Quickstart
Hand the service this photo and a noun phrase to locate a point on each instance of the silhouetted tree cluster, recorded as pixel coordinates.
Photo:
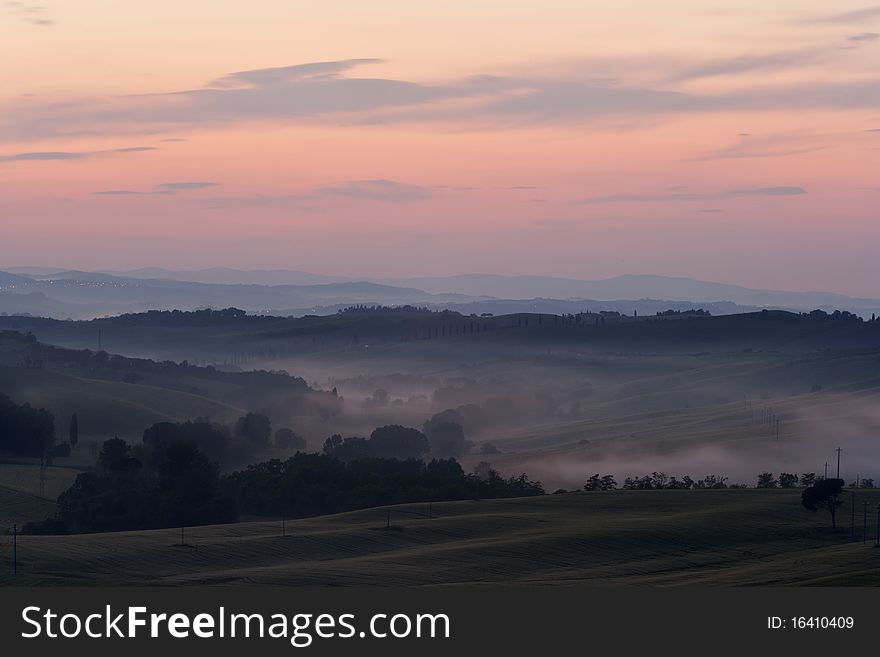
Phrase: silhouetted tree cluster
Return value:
(391, 441)
(213, 439)
(600, 482)
(26, 431)
(374, 309)
(662, 481)
(837, 315)
(287, 439)
(317, 484)
(255, 428)
(445, 434)
(225, 445)
(696, 312)
(168, 484)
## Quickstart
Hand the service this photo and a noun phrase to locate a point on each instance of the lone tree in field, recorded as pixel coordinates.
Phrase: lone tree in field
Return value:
(73, 433)
(824, 495)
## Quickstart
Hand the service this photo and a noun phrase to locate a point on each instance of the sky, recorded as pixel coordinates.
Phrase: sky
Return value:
(730, 141)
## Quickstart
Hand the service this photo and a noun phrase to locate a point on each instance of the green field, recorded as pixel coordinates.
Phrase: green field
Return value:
(663, 538)
(26, 478)
(17, 508)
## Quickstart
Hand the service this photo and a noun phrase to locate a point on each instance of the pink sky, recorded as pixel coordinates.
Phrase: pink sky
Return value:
(730, 141)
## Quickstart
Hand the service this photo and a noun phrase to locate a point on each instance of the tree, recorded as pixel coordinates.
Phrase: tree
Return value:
(395, 441)
(347, 449)
(448, 441)
(766, 480)
(26, 431)
(600, 482)
(115, 457)
(443, 417)
(212, 438)
(787, 480)
(808, 479)
(711, 481)
(255, 427)
(823, 495)
(287, 439)
(73, 432)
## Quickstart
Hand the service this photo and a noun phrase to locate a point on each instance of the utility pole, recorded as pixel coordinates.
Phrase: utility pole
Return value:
(181, 536)
(865, 525)
(388, 519)
(839, 450)
(43, 474)
(852, 528)
(877, 544)
(826, 469)
(14, 550)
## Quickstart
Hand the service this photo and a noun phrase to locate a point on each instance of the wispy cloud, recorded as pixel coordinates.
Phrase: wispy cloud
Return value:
(42, 155)
(375, 190)
(168, 188)
(298, 201)
(379, 190)
(852, 16)
(763, 146)
(331, 92)
(174, 187)
(781, 190)
(285, 74)
(34, 156)
(864, 36)
(748, 64)
(382, 190)
(647, 198)
(33, 14)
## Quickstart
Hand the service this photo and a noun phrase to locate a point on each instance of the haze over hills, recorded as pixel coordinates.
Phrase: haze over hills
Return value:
(630, 287)
(82, 295)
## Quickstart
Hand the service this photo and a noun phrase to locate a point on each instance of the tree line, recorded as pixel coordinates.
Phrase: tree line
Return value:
(663, 481)
(173, 478)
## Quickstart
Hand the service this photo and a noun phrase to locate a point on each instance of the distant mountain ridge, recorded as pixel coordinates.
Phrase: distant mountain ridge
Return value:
(59, 293)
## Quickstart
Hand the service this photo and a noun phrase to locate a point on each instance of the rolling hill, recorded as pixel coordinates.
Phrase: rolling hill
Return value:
(663, 538)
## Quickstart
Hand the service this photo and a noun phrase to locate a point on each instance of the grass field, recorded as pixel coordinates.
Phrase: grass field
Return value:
(26, 478)
(105, 408)
(665, 538)
(17, 507)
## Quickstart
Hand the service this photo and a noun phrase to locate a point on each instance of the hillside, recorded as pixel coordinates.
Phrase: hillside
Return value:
(554, 395)
(115, 395)
(667, 538)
